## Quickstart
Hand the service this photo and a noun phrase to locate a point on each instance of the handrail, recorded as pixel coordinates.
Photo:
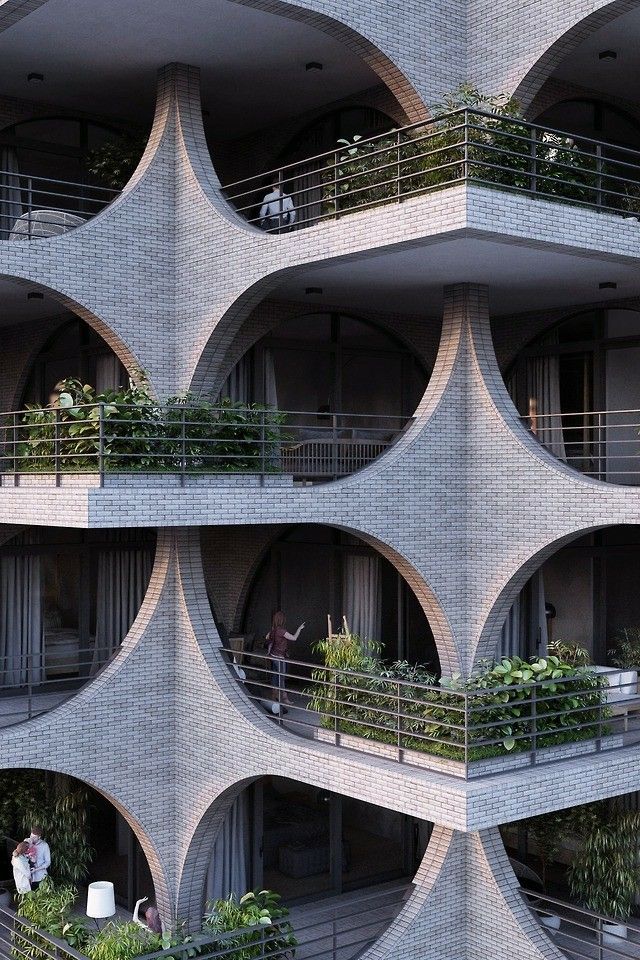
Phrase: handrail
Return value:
(578, 931)
(182, 439)
(472, 729)
(603, 444)
(464, 145)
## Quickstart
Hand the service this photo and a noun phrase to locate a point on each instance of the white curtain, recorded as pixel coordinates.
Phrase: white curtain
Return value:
(229, 866)
(123, 577)
(10, 195)
(21, 630)
(543, 390)
(524, 632)
(307, 191)
(270, 387)
(237, 386)
(108, 372)
(361, 596)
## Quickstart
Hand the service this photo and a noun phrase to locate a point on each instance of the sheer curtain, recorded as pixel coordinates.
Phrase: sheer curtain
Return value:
(10, 195)
(270, 386)
(524, 632)
(108, 372)
(21, 630)
(510, 636)
(123, 578)
(229, 866)
(362, 596)
(543, 390)
(237, 386)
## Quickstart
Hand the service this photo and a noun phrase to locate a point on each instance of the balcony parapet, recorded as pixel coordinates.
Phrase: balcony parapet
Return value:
(465, 146)
(34, 208)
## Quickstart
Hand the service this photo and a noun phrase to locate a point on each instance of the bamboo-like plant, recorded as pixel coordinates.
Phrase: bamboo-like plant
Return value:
(271, 932)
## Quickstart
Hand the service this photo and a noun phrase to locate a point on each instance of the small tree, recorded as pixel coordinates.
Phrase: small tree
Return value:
(605, 873)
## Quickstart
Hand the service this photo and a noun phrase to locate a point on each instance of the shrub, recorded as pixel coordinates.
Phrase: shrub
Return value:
(260, 910)
(626, 653)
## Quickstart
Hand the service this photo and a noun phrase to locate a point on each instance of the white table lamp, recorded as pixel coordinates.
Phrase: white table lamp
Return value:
(101, 902)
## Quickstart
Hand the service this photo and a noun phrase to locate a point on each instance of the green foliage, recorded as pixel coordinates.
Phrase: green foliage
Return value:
(46, 909)
(497, 152)
(503, 700)
(605, 873)
(189, 433)
(115, 161)
(269, 931)
(549, 831)
(572, 653)
(60, 805)
(118, 940)
(626, 653)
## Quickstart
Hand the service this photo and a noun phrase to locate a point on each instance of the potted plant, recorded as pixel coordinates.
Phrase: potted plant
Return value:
(605, 874)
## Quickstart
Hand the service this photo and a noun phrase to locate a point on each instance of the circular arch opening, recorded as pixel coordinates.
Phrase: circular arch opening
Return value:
(310, 844)
(87, 836)
(577, 387)
(68, 598)
(311, 572)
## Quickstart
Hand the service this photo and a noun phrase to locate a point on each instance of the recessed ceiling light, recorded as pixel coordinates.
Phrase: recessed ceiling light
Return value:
(35, 77)
(35, 295)
(607, 55)
(313, 65)
(311, 290)
(608, 285)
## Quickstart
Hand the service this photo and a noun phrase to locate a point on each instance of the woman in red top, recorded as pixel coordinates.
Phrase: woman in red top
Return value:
(278, 640)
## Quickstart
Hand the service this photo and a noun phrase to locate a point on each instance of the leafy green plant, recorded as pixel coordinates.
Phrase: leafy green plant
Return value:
(261, 922)
(626, 653)
(44, 910)
(118, 940)
(549, 832)
(605, 873)
(571, 653)
(115, 161)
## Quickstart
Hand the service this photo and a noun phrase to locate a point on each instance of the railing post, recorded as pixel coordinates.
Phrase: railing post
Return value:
(263, 446)
(533, 151)
(334, 445)
(15, 449)
(534, 724)
(398, 721)
(398, 162)
(29, 686)
(602, 448)
(183, 444)
(598, 175)
(29, 207)
(600, 939)
(466, 721)
(56, 445)
(280, 209)
(465, 160)
(101, 443)
(335, 185)
(334, 939)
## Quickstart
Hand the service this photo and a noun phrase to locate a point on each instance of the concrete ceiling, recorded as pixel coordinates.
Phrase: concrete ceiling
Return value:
(619, 77)
(520, 278)
(102, 57)
(15, 307)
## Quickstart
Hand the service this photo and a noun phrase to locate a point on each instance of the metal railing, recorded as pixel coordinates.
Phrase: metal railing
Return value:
(582, 934)
(465, 732)
(604, 444)
(32, 684)
(35, 207)
(466, 145)
(335, 931)
(184, 440)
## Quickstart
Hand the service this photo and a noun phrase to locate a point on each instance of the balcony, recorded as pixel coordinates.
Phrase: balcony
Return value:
(464, 729)
(33, 208)
(583, 934)
(464, 146)
(101, 441)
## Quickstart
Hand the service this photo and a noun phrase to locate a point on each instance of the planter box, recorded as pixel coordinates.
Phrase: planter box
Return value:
(624, 683)
(477, 768)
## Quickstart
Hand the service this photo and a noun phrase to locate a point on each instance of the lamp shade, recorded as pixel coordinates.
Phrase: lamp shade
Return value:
(101, 902)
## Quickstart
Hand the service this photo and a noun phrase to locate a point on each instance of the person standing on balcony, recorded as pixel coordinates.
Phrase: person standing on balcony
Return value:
(40, 856)
(278, 640)
(21, 868)
(277, 211)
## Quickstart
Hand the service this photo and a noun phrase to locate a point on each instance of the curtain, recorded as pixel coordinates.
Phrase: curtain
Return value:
(108, 372)
(237, 386)
(543, 390)
(362, 596)
(229, 867)
(307, 191)
(524, 632)
(10, 194)
(270, 386)
(21, 629)
(123, 577)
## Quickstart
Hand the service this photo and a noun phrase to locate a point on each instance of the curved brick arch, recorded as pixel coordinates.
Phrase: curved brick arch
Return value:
(489, 638)
(143, 835)
(532, 82)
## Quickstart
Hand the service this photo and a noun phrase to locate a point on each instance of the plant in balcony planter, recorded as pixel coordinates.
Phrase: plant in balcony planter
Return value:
(605, 874)
(262, 920)
(114, 162)
(626, 653)
(571, 653)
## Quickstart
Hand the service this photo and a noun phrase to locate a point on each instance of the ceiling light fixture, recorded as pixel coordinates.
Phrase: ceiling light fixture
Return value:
(35, 295)
(608, 285)
(313, 65)
(309, 291)
(607, 55)
(35, 77)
